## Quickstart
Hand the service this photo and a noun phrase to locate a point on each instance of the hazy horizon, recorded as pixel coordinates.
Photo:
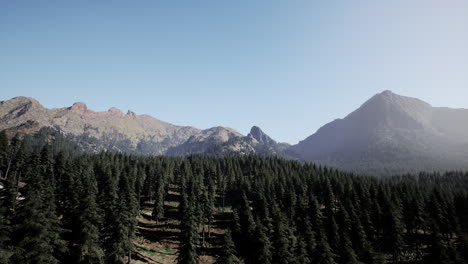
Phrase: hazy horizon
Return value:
(287, 67)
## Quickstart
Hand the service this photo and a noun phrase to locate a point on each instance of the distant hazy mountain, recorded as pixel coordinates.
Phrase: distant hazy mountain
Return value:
(391, 134)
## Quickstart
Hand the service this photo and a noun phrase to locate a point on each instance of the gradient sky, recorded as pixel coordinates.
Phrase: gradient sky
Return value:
(286, 66)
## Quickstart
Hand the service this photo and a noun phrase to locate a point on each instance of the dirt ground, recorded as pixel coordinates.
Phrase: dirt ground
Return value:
(158, 242)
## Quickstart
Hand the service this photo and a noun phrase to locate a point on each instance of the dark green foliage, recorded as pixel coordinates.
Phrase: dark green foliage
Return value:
(66, 207)
(4, 153)
(283, 239)
(300, 253)
(158, 208)
(262, 249)
(89, 249)
(114, 230)
(37, 234)
(323, 253)
(228, 253)
(5, 221)
(189, 237)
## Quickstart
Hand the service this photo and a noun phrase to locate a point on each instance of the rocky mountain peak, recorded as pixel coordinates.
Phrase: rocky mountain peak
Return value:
(260, 136)
(388, 109)
(257, 133)
(79, 107)
(387, 97)
(23, 100)
(115, 112)
(131, 114)
(256, 130)
(387, 93)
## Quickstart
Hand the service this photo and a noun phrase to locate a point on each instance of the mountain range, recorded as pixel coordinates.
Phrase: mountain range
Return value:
(388, 134)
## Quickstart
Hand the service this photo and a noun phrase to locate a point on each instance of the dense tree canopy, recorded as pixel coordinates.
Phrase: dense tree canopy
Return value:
(70, 207)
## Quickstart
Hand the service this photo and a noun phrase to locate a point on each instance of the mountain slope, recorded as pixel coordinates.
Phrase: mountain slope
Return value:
(113, 129)
(265, 145)
(391, 134)
(226, 141)
(205, 142)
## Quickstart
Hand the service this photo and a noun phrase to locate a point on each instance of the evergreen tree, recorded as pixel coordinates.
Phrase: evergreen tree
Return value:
(37, 236)
(359, 239)
(348, 255)
(282, 211)
(301, 254)
(127, 209)
(228, 253)
(158, 208)
(263, 246)
(90, 251)
(323, 253)
(392, 238)
(281, 239)
(114, 231)
(4, 153)
(5, 225)
(189, 236)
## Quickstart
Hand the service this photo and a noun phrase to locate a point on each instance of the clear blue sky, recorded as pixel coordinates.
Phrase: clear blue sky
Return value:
(286, 66)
